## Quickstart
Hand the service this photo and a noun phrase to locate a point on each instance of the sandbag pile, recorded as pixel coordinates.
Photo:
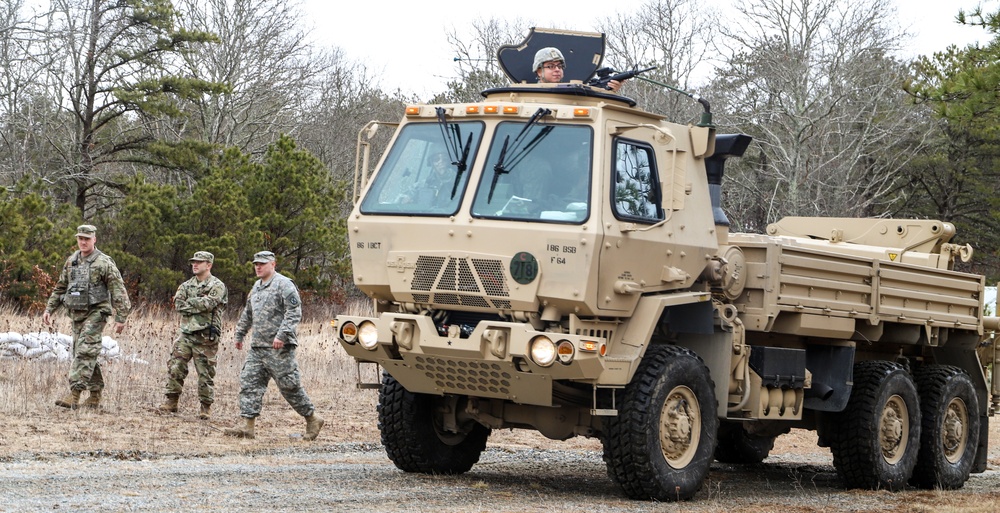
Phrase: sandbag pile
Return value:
(42, 346)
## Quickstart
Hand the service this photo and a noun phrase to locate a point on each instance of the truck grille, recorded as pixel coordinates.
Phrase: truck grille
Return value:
(461, 282)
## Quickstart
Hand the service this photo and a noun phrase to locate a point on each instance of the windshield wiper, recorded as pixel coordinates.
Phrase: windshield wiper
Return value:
(452, 135)
(499, 168)
(450, 132)
(462, 165)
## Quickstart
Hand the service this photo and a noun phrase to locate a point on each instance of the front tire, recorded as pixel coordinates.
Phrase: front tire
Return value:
(413, 437)
(950, 428)
(660, 446)
(878, 433)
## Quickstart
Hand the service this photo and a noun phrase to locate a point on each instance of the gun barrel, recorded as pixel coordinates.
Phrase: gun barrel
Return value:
(604, 76)
(631, 73)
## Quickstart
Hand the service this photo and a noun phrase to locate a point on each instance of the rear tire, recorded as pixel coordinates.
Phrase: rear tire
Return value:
(739, 447)
(412, 434)
(950, 427)
(660, 445)
(878, 438)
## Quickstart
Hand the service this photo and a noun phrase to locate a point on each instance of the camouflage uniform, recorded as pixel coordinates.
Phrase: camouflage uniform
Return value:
(199, 303)
(89, 287)
(273, 310)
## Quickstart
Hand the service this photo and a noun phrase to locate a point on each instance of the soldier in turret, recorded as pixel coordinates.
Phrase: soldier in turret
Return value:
(199, 301)
(550, 65)
(89, 286)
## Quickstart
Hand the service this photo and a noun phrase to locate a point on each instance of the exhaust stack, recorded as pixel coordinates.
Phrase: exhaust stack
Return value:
(726, 145)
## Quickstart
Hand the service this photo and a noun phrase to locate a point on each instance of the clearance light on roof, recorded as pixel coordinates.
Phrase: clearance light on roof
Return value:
(581, 112)
(510, 109)
(491, 109)
(472, 109)
(413, 111)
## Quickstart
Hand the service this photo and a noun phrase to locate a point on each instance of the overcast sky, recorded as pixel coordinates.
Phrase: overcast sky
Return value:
(407, 46)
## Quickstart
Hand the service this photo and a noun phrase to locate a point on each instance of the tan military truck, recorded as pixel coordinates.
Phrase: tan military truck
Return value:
(555, 258)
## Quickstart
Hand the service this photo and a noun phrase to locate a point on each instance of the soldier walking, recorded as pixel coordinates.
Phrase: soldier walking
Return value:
(273, 311)
(89, 285)
(199, 301)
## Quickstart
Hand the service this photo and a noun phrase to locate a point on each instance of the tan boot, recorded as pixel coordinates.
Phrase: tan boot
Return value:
(242, 432)
(94, 400)
(170, 405)
(206, 410)
(313, 425)
(70, 400)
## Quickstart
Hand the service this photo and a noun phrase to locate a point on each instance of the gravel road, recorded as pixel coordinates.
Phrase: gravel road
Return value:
(359, 477)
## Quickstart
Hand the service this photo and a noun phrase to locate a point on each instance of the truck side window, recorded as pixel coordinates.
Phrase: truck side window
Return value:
(635, 186)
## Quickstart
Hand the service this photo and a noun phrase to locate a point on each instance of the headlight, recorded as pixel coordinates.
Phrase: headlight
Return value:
(543, 351)
(368, 335)
(349, 332)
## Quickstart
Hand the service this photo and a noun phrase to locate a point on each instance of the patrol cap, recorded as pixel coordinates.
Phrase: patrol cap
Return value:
(86, 230)
(202, 256)
(263, 257)
(545, 55)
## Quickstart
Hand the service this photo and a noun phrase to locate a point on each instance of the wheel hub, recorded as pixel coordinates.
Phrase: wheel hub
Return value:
(680, 426)
(892, 429)
(954, 430)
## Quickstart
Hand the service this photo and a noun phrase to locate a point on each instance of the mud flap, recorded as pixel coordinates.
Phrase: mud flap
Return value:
(979, 466)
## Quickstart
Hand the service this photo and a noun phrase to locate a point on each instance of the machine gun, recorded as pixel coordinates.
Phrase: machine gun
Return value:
(603, 76)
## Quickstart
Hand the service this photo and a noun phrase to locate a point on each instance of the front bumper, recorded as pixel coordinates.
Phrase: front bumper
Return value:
(493, 361)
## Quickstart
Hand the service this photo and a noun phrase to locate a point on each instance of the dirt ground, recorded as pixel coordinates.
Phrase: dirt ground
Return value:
(55, 459)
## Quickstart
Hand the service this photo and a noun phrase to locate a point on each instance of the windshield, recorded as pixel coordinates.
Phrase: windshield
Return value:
(537, 172)
(425, 171)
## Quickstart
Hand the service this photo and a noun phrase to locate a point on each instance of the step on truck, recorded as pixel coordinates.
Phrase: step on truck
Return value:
(555, 258)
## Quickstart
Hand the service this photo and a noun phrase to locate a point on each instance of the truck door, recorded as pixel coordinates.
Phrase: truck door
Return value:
(656, 236)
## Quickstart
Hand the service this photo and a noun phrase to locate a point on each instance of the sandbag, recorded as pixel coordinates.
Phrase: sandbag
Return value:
(9, 337)
(35, 352)
(31, 341)
(64, 340)
(108, 342)
(113, 352)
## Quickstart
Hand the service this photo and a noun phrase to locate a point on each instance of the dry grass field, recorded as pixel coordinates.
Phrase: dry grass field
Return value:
(127, 420)
(128, 427)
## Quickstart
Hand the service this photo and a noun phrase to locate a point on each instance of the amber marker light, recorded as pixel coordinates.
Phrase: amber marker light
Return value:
(472, 109)
(511, 110)
(581, 113)
(590, 346)
(565, 351)
(491, 109)
(349, 332)
(413, 111)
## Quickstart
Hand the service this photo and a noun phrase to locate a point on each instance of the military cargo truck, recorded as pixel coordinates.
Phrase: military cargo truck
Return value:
(570, 270)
